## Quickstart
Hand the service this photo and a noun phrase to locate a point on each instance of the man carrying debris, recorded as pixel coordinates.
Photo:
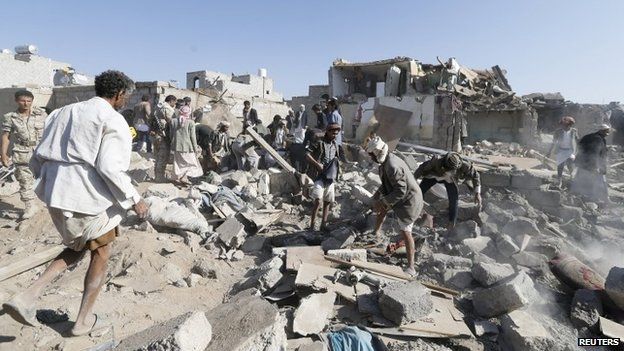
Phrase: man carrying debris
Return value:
(23, 128)
(323, 156)
(399, 192)
(244, 150)
(250, 114)
(142, 115)
(82, 162)
(162, 139)
(449, 170)
(564, 146)
(591, 178)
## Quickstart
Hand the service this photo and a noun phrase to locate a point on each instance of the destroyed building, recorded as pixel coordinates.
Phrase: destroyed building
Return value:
(410, 99)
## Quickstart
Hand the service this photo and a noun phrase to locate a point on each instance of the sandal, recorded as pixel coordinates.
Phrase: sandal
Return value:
(100, 326)
(18, 311)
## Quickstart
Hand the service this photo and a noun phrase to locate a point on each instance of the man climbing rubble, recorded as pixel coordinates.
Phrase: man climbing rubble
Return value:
(162, 137)
(323, 156)
(399, 192)
(23, 128)
(450, 170)
(82, 162)
(590, 180)
(564, 146)
(218, 152)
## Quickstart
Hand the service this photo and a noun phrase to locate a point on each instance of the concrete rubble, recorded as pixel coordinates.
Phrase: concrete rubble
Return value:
(403, 303)
(509, 294)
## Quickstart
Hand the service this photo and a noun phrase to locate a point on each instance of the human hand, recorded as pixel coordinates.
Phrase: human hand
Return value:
(141, 209)
(478, 200)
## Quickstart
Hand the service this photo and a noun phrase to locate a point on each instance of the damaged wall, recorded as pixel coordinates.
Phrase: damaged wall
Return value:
(20, 70)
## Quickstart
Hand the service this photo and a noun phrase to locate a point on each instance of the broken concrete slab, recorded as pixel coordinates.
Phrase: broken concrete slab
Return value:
(523, 333)
(311, 277)
(520, 226)
(340, 239)
(508, 295)
(460, 279)
(532, 260)
(586, 309)
(506, 246)
(493, 179)
(297, 255)
(473, 246)
(488, 274)
(166, 191)
(444, 261)
(231, 233)
(349, 254)
(254, 243)
(525, 180)
(263, 278)
(247, 323)
(188, 332)
(405, 302)
(313, 313)
(466, 230)
(614, 285)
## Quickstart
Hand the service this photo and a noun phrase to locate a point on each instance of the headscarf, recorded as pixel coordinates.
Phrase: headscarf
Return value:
(379, 148)
(185, 114)
(452, 161)
(603, 126)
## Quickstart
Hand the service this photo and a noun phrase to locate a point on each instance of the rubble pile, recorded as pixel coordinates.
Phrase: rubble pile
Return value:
(503, 277)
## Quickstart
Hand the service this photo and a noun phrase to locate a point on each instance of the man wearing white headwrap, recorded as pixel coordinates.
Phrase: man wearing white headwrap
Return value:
(399, 192)
(590, 179)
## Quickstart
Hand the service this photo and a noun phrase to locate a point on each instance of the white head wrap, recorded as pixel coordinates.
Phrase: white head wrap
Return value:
(379, 148)
(604, 126)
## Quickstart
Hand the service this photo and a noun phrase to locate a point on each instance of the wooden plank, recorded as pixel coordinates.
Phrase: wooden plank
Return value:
(30, 262)
(298, 255)
(387, 271)
(260, 140)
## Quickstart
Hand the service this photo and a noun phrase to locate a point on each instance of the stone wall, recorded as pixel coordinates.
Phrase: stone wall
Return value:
(27, 70)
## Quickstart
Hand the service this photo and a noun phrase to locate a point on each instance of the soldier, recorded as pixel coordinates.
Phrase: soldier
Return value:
(23, 129)
(162, 139)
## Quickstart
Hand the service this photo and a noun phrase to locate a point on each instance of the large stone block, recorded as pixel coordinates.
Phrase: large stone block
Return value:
(521, 226)
(188, 332)
(247, 323)
(444, 261)
(495, 179)
(403, 303)
(614, 285)
(264, 277)
(506, 246)
(313, 313)
(523, 333)
(466, 230)
(508, 295)
(544, 198)
(488, 274)
(231, 233)
(526, 181)
(473, 246)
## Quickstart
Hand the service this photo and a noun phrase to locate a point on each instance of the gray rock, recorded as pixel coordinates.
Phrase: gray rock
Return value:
(231, 233)
(247, 323)
(523, 333)
(466, 230)
(532, 260)
(586, 309)
(614, 285)
(313, 313)
(403, 303)
(508, 295)
(488, 274)
(188, 332)
(254, 243)
(349, 254)
(460, 279)
(340, 239)
(264, 277)
(520, 226)
(205, 269)
(444, 261)
(506, 246)
(473, 246)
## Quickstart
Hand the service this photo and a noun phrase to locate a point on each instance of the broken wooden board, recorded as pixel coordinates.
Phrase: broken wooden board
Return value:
(297, 255)
(611, 329)
(445, 321)
(321, 278)
(27, 263)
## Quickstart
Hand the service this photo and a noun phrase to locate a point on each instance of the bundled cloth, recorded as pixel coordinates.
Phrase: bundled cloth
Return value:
(223, 195)
(174, 215)
(351, 339)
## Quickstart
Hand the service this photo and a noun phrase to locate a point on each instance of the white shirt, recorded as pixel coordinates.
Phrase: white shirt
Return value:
(299, 135)
(83, 158)
(566, 140)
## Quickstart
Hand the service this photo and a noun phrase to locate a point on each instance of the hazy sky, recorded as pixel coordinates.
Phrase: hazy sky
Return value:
(571, 46)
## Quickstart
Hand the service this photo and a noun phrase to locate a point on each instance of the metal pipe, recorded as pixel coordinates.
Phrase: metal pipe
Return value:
(444, 152)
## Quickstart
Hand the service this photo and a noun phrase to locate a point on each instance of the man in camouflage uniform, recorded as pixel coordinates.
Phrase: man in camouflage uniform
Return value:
(162, 140)
(23, 129)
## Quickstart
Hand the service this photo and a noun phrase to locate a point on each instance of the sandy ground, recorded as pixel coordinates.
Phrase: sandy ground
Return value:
(140, 254)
